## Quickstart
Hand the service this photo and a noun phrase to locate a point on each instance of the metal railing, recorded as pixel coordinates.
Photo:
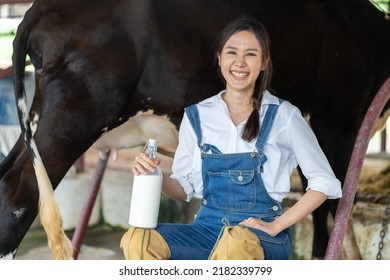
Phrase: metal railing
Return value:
(353, 173)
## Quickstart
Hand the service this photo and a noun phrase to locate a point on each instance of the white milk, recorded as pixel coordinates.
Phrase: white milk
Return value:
(145, 200)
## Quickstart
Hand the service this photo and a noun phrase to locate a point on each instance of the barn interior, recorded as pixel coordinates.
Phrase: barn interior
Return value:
(109, 214)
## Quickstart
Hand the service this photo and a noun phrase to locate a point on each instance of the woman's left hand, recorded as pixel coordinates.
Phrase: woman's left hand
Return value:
(269, 228)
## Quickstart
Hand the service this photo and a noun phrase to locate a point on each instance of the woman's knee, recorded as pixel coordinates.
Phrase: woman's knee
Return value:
(144, 244)
(237, 243)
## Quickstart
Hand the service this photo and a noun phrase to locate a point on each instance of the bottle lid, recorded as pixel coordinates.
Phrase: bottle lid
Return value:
(152, 142)
(151, 148)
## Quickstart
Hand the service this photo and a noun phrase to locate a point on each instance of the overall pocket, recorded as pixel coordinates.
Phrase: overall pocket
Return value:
(232, 190)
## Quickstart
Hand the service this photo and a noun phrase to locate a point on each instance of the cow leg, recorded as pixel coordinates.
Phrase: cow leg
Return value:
(16, 212)
(336, 137)
(18, 204)
(9, 160)
(18, 195)
(320, 227)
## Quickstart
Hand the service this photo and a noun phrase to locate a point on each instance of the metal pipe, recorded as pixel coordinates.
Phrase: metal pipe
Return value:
(355, 165)
(93, 191)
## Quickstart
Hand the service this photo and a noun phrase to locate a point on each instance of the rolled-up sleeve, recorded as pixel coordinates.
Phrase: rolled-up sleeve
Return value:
(184, 156)
(311, 159)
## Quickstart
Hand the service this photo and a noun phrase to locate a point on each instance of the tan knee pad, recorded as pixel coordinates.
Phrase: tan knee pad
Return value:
(144, 244)
(237, 243)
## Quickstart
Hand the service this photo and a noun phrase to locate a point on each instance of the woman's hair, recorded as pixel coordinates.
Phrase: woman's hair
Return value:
(252, 126)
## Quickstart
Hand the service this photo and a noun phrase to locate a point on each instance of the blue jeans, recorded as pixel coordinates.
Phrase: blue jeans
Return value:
(196, 241)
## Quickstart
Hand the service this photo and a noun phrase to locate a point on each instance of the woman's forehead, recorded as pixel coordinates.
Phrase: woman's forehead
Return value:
(243, 40)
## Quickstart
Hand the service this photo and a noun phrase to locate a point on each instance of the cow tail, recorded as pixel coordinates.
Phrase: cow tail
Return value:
(50, 217)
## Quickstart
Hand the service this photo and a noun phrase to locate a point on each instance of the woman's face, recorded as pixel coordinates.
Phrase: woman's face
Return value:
(241, 62)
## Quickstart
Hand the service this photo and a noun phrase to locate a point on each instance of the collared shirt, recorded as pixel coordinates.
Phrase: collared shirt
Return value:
(291, 142)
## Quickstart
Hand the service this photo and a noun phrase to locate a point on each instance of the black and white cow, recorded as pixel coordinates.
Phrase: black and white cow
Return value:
(100, 62)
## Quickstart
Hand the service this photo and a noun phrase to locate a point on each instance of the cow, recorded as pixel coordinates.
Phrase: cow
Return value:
(98, 63)
(136, 131)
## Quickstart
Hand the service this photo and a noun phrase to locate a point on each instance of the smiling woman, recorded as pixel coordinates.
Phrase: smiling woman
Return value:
(159, 59)
(237, 150)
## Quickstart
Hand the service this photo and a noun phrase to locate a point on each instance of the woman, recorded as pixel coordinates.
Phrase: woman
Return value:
(237, 150)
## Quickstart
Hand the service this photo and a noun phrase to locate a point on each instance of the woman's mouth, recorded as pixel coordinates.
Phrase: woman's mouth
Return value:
(239, 74)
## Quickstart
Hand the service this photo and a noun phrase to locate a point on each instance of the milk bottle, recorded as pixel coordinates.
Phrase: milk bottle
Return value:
(146, 194)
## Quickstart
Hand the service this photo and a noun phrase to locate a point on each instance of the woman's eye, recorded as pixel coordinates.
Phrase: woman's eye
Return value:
(231, 52)
(251, 54)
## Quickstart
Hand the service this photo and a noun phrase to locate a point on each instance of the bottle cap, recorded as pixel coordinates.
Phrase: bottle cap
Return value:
(152, 142)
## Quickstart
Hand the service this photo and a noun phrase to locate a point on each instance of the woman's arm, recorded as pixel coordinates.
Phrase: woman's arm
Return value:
(306, 205)
(172, 189)
(311, 158)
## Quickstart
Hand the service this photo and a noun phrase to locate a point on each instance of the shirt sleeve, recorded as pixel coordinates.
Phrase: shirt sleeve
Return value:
(184, 156)
(311, 159)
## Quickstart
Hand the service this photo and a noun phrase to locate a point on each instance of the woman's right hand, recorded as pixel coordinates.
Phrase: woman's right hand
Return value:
(170, 187)
(143, 163)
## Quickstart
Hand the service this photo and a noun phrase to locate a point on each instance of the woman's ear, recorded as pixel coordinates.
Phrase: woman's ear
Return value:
(265, 64)
(219, 60)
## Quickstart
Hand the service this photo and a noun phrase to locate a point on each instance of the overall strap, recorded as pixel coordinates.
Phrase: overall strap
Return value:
(267, 125)
(193, 116)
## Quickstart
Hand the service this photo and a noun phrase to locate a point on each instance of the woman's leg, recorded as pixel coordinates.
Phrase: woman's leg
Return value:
(144, 244)
(275, 248)
(189, 241)
(237, 243)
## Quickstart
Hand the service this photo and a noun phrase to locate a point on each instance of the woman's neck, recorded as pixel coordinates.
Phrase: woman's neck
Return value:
(240, 105)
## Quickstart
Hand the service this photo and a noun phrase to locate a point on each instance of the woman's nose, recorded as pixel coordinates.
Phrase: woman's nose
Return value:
(240, 60)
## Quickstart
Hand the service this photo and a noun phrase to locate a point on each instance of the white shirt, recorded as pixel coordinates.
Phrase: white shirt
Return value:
(291, 142)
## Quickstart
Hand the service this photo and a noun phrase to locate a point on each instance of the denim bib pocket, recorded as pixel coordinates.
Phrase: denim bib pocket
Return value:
(232, 190)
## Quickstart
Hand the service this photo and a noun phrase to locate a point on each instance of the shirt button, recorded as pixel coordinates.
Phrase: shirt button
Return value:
(275, 208)
(240, 178)
(204, 202)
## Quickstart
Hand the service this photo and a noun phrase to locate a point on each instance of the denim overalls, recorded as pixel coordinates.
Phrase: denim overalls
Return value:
(233, 191)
